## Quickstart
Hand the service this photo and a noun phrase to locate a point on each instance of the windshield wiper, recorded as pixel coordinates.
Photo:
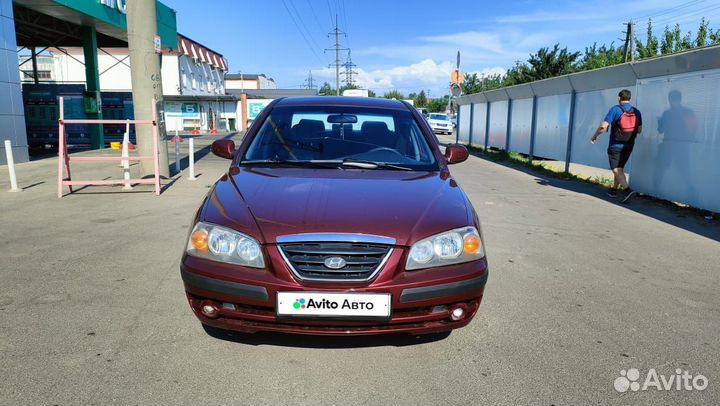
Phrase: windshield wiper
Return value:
(359, 163)
(280, 162)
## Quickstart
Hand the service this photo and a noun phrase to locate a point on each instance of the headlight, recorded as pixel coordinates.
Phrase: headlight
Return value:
(224, 245)
(451, 247)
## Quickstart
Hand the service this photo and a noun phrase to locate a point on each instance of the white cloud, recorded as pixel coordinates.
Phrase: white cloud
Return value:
(426, 74)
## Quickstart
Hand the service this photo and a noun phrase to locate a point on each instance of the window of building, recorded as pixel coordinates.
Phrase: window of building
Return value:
(194, 82)
(183, 77)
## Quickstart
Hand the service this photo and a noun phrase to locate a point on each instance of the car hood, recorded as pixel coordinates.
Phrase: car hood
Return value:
(271, 202)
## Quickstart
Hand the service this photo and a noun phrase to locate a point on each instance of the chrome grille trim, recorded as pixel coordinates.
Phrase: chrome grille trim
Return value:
(305, 277)
(335, 237)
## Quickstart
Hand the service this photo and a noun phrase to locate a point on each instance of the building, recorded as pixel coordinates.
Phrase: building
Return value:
(193, 78)
(249, 81)
(31, 27)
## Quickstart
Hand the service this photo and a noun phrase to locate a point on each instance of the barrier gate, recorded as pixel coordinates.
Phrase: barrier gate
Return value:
(66, 159)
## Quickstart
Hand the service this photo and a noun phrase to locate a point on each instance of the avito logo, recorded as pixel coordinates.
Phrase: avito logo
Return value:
(301, 303)
(681, 380)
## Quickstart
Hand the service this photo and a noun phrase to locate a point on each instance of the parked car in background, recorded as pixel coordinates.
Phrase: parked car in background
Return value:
(440, 123)
(337, 216)
(423, 111)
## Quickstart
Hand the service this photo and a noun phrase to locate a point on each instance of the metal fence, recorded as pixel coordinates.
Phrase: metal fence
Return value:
(677, 157)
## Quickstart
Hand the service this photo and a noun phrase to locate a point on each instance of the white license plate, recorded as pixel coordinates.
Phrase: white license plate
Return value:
(321, 304)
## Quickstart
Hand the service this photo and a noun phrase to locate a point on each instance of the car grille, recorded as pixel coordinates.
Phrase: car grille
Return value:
(363, 260)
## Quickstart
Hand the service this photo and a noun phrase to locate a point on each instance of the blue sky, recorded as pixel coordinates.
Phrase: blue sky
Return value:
(411, 45)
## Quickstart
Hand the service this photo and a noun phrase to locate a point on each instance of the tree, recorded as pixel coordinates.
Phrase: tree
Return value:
(421, 99)
(651, 46)
(703, 33)
(412, 96)
(518, 74)
(491, 82)
(438, 105)
(547, 63)
(371, 93)
(596, 57)
(472, 84)
(394, 94)
(326, 90)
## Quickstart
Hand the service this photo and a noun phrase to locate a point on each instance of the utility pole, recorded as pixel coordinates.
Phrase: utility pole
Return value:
(309, 83)
(337, 49)
(349, 72)
(146, 80)
(630, 42)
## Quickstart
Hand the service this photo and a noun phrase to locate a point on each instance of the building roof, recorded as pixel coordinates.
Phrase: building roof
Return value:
(272, 93)
(246, 76)
(202, 53)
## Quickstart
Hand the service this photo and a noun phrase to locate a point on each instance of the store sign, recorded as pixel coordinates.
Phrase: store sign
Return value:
(178, 109)
(118, 5)
(255, 107)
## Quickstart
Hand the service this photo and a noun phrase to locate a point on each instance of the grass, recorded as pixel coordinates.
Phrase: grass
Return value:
(521, 160)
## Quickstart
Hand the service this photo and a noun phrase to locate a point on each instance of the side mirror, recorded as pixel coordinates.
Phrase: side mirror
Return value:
(456, 153)
(224, 148)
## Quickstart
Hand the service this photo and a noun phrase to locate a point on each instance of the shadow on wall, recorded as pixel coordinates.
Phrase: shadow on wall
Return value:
(687, 219)
(678, 127)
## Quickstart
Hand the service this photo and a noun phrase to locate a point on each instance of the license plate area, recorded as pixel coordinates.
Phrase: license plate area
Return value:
(333, 305)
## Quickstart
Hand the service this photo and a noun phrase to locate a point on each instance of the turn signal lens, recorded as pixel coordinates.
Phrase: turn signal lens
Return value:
(222, 244)
(471, 243)
(199, 239)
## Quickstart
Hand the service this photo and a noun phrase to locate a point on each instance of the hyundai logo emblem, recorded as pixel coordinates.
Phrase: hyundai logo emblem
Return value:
(335, 263)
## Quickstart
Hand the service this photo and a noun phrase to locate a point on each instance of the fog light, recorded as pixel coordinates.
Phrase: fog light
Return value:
(458, 313)
(209, 310)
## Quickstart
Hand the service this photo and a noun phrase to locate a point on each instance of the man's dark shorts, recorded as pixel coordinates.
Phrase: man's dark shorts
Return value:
(619, 155)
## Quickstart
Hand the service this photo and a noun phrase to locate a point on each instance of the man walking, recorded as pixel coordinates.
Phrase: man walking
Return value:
(625, 123)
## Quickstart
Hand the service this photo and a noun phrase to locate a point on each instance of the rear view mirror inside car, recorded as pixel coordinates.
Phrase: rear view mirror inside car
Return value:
(342, 119)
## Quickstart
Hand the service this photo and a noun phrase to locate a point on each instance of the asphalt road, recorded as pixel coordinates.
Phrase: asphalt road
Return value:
(92, 307)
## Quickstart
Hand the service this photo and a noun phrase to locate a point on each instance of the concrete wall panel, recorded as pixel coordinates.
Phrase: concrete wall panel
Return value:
(676, 156)
(498, 124)
(479, 124)
(520, 125)
(553, 118)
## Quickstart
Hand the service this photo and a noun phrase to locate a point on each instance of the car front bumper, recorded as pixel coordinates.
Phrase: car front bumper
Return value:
(421, 301)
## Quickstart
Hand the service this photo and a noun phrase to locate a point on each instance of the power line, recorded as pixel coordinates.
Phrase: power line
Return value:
(301, 33)
(317, 20)
(344, 14)
(330, 12)
(309, 82)
(349, 71)
(336, 32)
(292, 4)
(670, 10)
(685, 16)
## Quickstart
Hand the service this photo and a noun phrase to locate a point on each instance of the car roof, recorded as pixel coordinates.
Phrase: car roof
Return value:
(342, 101)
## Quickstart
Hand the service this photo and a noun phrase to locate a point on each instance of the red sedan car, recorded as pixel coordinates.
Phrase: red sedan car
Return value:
(337, 216)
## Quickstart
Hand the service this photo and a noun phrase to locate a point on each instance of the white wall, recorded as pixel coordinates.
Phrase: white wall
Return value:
(479, 123)
(498, 124)
(463, 130)
(197, 78)
(520, 125)
(676, 156)
(242, 84)
(12, 114)
(551, 129)
(177, 72)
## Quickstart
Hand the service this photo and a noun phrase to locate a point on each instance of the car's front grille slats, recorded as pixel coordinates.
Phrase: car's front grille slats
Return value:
(360, 261)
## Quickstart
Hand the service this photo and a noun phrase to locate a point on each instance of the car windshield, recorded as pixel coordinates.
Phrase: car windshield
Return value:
(389, 138)
(439, 117)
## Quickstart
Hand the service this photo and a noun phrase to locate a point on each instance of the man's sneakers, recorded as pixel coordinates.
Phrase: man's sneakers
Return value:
(611, 193)
(627, 195)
